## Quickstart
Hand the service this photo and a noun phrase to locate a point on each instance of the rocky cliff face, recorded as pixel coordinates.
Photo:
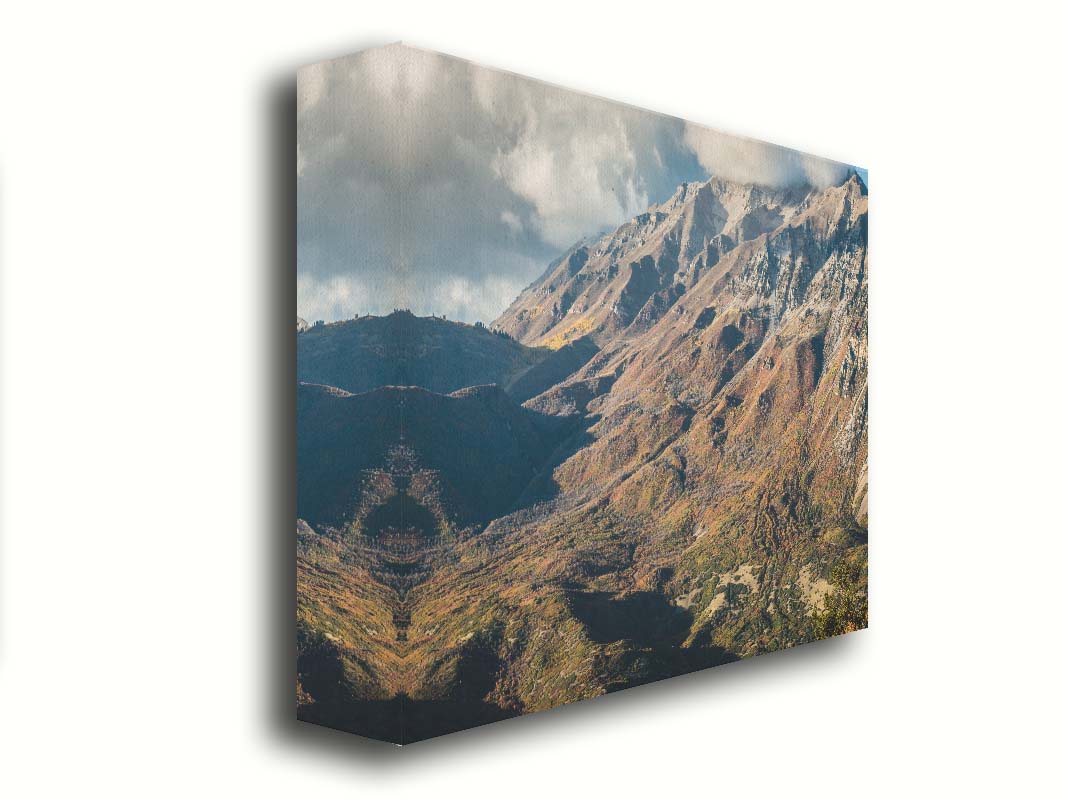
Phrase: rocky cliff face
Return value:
(685, 484)
(624, 282)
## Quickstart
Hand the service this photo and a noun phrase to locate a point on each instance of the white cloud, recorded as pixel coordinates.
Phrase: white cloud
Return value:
(429, 183)
(736, 158)
(310, 83)
(417, 169)
(462, 298)
(401, 74)
(337, 297)
(511, 219)
(582, 162)
(565, 180)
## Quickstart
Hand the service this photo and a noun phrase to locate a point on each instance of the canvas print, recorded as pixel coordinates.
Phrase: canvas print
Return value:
(581, 399)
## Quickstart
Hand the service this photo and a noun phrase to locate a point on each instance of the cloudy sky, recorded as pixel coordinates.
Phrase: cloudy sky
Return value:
(429, 183)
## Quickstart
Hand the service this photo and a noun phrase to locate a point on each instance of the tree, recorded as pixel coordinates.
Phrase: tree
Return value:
(845, 606)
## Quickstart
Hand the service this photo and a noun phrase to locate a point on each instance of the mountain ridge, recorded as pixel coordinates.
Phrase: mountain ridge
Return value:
(402, 349)
(641, 269)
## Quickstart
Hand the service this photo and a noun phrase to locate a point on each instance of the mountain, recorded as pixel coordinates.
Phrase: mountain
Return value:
(777, 327)
(401, 349)
(625, 281)
(669, 474)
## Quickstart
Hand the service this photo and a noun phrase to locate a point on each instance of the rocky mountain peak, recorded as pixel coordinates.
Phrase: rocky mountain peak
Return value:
(625, 281)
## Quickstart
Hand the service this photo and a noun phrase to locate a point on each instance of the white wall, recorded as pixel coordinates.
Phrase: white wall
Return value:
(146, 196)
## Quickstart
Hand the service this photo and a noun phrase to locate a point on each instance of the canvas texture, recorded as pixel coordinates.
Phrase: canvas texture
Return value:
(581, 396)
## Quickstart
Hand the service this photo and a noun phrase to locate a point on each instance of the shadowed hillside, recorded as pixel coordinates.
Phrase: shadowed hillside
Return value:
(485, 447)
(404, 350)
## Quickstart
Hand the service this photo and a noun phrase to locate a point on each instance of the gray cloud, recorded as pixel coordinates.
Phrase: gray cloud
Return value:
(429, 183)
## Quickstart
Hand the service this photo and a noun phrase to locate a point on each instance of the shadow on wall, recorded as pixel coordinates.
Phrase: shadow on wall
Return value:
(3, 430)
(277, 514)
(278, 517)
(278, 594)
